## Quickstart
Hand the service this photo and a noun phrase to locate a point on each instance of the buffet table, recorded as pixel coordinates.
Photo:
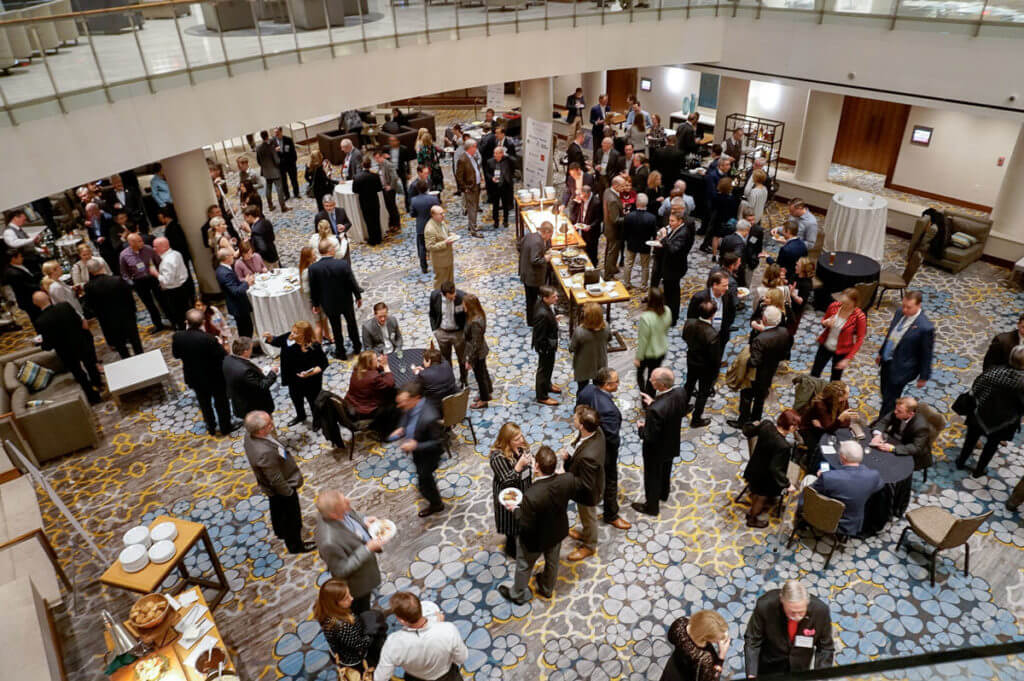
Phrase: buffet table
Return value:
(277, 303)
(530, 215)
(856, 222)
(350, 202)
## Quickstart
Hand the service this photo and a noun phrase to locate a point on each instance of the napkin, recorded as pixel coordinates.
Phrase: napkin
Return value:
(828, 449)
(188, 598)
(193, 634)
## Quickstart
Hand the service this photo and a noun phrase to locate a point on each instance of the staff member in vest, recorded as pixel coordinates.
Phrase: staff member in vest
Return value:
(16, 238)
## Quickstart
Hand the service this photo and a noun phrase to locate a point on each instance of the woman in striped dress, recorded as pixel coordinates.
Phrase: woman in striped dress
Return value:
(512, 466)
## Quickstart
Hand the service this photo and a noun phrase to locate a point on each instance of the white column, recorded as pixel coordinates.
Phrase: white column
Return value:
(189, 179)
(818, 141)
(538, 105)
(732, 98)
(1008, 211)
(594, 85)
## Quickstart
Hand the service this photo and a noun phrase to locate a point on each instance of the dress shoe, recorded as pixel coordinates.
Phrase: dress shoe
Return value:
(340, 355)
(580, 553)
(550, 402)
(643, 508)
(961, 464)
(699, 423)
(620, 523)
(476, 234)
(756, 522)
(297, 420)
(306, 547)
(544, 593)
(430, 510)
(735, 423)
(979, 473)
(1010, 506)
(556, 389)
(575, 534)
(506, 593)
(479, 404)
(284, 208)
(424, 270)
(235, 425)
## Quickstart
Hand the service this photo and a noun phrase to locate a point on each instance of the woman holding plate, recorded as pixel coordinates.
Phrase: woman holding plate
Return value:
(302, 365)
(512, 466)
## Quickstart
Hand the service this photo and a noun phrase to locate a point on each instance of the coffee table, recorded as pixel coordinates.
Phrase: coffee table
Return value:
(135, 373)
(148, 579)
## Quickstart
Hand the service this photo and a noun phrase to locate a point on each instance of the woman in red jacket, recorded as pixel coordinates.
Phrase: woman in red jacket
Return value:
(845, 327)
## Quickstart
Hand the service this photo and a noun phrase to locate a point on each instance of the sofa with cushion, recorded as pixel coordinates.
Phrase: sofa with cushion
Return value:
(421, 119)
(330, 144)
(62, 426)
(953, 257)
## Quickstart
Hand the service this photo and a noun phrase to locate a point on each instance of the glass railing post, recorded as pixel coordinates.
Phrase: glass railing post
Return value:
(224, 49)
(142, 57)
(259, 33)
(96, 59)
(487, 18)
(426, 21)
(981, 19)
(295, 34)
(330, 34)
(7, 107)
(181, 42)
(394, 19)
(362, 24)
(574, 13)
(661, 3)
(895, 14)
(545, 15)
(46, 65)
(457, 32)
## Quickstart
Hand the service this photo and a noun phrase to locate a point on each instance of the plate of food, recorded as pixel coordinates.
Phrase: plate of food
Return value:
(151, 668)
(743, 291)
(571, 252)
(510, 495)
(430, 611)
(382, 529)
(653, 243)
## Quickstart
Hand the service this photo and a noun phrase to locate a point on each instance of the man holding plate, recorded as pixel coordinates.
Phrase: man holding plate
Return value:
(346, 546)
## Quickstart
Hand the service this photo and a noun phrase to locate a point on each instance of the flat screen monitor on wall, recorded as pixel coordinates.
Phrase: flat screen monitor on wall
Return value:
(645, 84)
(921, 135)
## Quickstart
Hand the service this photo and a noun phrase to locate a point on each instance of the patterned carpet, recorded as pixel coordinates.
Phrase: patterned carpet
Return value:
(610, 614)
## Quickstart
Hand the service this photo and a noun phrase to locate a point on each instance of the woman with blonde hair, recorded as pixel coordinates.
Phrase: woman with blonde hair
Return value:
(325, 233)
(218, 238)
(302, 365)
(773, 277)
(589, 345)
(512, 466)
(321, 329)
(700, 644)
(248, 261)
(58, 290)
(476, 348)
(346, 634)
(80, 270)
(429, 156)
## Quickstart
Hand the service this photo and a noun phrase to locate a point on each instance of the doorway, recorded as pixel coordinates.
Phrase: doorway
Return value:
(621, 82)
(870, 134)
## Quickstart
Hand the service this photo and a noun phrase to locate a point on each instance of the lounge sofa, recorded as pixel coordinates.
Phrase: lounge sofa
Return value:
(953, 258)
(330, 144)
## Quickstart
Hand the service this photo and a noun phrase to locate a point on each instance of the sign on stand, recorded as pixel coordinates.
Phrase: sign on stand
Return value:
(496, 96)
(536, 153)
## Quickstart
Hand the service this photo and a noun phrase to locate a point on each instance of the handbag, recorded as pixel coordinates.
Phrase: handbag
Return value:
(965, 404)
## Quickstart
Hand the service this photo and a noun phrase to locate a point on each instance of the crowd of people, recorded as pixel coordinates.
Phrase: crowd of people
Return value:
(643, 223)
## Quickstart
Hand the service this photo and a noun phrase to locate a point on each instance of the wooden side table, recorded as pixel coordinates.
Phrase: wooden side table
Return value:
(149, 579)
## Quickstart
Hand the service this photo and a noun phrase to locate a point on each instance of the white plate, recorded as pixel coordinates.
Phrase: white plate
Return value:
(384, 527)
(167, 531)
(138, 535)
(430, 610)
(743, 292)
(161, 552)
(653, 243)
(133, 558)
(518, 496)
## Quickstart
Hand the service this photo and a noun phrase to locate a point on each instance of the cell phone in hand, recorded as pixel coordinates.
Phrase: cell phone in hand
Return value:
(858, 431)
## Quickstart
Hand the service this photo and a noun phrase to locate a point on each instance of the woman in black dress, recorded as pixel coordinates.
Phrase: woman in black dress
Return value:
(476, 348)
(701, 643)
(766, 471)
(346, 634)
(316, 175)
(999, 396)
(302, 365)
(512, 466)
(724, 207)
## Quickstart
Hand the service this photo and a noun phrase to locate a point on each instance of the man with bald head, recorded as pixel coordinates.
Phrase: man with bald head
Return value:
(438, 240)
(175, 282)
(534, 257)
(469, 177)
(659, 431)
(346, 546)
(139, 265)
(102, 231)
(613, 216)
(66, 333)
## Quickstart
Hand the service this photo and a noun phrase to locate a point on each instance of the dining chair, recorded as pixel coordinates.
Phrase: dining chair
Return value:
(942, 530)
(821, 515)
(454, 411)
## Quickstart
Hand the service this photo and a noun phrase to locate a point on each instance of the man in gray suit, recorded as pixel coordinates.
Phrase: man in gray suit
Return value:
(612, 227)
(278, 477)
(270, 166)
(533, 264)
(381, 333)
(347, 548)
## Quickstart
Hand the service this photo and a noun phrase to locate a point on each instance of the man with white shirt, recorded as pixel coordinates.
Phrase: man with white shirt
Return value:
(427, 649)
(585, 460)
(448, 324)
(469, 177)
(380, 332)
(352, 160)
(15, 238)
(806, 223)
(278, 477)
(175, 282)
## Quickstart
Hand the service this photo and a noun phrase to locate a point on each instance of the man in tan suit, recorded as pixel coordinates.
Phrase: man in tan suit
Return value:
(469, 176)
(438, 241)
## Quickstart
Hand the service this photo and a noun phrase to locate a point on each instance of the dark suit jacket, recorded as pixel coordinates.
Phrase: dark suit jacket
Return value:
(753, 247)
(766, 352)
(366, 185)
(638, 228)
(615, 165)
(110, 298)
(263, 240)
(332, 286)
(575, 155)
(686, 138)
(570, 104)
(675, 250)
(732, 148)
(543, 514)
(604, 405)
(340, 218)
(235, 291)
(586, 463)
(703, 351)
(24, 284)
(533, 268)
(728, 313)
(507, 177)
(132, 201)
(913, 356)
(545, 328)
(435, 310)
(270, 162)
(591, 213)
(429, 433)
(766, 641)
(662, 422)
(61, 329)
(598, 113)
(852, 485)
(486, 146)
(789, 255)
(419, 208)
(287, 156)
(438, 383)
(571, 187)
(248, 387)
(913, 441)
(202, 359)
(998, 353)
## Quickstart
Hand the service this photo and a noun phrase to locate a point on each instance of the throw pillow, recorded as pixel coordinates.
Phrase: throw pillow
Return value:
(34, 377)
(961, 240)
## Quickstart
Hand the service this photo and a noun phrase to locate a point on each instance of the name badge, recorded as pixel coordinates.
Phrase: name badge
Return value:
(803, 642)
(140, 266)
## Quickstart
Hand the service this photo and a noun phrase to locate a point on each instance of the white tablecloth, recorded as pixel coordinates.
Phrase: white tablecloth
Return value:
(350, 202)
(856, 222)
(277, 303)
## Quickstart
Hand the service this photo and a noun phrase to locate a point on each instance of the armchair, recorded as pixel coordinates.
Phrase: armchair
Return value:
(953, 258)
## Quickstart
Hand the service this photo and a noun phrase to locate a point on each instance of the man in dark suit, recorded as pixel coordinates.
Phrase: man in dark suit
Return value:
(66, 333)
(703, 355)
(575, 103)
(906, 352)
(543, 524)
(262, 235)
(575, 153)
(533, 265)
(791, 251)
(247, 385)
(103, 234)
(287, 162)
(420, 206)
(998, 353)
(422, 173)
(673, 255)
(500, 140)
(545, 342)
(215, 211)
(487, 142)
(500, 174)
(421, 435)
(270, 167)
(437, 378)
(202, 363)
(367, 186)
(381, 332)
(659, 433)
(732, 146)
(278, 477)
(235, 293)
(608, 163)
(786, 630)
(904, 432)
(400, 157)
(612, 219)
(348, 549)
(585, 459)
(332, 288)
(121, 197)
(448, 324)
(586, 209)
(334, 214)
(686, 134)
(598, 396)
(766, 353)
(718, 294)
(851, 484)
(597, 118)
(23, 282)
(110, 298)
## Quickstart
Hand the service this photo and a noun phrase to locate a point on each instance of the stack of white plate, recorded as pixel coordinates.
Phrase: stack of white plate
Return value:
(164, 532)
(161, 551)
(133, 558)
(138, 535)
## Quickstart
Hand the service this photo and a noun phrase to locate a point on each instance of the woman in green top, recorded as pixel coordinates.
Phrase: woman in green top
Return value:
(651, 338)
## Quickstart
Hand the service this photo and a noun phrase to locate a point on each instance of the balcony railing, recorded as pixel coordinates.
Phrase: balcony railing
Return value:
(58, 60)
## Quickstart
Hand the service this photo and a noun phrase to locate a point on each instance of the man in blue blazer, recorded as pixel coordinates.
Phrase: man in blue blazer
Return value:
(792, 250)
(598, 396)
(852, 484)
(236, 293)
(419, 207)
(906, 352)
(597, 114)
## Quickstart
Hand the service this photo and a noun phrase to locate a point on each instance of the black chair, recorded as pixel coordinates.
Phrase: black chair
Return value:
(455, 410)
(354, 426)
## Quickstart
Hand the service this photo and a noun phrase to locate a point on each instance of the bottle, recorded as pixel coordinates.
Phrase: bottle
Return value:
(831, 257)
